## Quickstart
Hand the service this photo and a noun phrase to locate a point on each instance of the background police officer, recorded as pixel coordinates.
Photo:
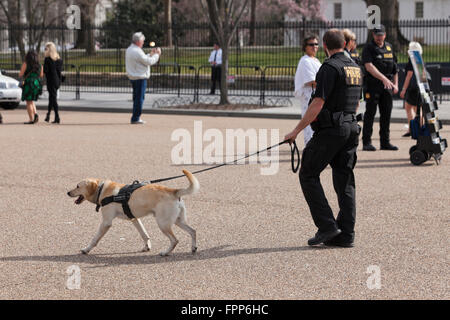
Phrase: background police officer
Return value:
(335, 140)
(381, 81)
(350, 45)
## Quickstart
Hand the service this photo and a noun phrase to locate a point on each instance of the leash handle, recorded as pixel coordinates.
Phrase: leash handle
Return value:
(294, 150)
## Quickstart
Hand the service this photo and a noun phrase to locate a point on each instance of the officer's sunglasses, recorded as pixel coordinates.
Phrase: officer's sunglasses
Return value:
(313, 44)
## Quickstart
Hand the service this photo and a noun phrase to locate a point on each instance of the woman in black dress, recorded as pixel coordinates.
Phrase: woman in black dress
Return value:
(52, 69)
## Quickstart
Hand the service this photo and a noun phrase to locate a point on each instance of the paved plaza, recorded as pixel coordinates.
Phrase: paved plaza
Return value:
(252, 229)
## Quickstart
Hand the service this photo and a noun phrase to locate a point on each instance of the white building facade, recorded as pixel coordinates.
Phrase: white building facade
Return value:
(408, 9)
(426, 21)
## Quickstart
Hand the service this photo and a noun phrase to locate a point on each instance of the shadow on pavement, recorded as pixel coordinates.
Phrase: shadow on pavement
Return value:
(110, 259)
(396, 165)
(68, 124)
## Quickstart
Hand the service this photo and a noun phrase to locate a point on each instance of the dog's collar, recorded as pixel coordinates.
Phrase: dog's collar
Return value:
(97, 208)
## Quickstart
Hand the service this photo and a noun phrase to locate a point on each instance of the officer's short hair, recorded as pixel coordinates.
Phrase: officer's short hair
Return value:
(334, 39)
(348, 35)
(307, 38)
(138, 36)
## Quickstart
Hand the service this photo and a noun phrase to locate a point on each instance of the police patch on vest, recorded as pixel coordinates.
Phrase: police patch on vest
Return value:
(388, 55)
(353, 76)
(388, 48)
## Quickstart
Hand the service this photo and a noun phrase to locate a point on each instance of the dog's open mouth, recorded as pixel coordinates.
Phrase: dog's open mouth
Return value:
(79, 200)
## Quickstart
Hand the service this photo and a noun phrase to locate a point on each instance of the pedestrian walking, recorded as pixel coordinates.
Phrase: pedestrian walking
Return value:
(31, 72)
(53, 65)
(335, 140)
(305, 77)
(137, 65)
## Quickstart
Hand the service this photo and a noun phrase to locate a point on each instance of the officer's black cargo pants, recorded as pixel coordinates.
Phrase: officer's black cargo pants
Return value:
(382, 98)
(337, 147)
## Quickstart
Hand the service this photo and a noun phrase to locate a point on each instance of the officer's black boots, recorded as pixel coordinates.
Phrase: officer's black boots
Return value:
(337, 242)
(369, 147)
(321, 237)
(384, 146)
(388, 146)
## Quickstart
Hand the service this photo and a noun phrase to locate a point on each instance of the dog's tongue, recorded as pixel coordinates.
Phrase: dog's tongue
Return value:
(78, 201)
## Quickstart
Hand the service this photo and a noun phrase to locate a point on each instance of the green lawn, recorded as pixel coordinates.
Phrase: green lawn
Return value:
(248, 57)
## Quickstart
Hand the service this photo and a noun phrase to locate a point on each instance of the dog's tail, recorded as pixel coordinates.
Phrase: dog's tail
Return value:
(193, 187)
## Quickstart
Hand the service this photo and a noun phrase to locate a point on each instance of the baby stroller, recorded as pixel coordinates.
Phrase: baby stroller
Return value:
(425, 127)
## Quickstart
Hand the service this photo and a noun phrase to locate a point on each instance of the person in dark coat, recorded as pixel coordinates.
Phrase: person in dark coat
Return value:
(52, 68)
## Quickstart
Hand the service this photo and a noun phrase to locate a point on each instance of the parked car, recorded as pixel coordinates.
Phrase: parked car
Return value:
(10, 92)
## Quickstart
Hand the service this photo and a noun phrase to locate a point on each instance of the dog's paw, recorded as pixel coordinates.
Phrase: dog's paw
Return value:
(84, 251)
(163, 254)
(194, 250)
(145, 249)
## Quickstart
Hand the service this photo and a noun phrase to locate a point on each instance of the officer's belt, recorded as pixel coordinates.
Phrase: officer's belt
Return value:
(122, 197)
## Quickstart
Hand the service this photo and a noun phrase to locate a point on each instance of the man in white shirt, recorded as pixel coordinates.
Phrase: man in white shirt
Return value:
(305, 78)
(138, 64)
(215, 59)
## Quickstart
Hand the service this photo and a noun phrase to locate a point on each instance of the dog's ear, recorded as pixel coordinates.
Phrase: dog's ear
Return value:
(92, 185)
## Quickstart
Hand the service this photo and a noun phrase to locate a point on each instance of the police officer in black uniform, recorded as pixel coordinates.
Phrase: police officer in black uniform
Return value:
(350, 46)
(336, 133)
(381, 82)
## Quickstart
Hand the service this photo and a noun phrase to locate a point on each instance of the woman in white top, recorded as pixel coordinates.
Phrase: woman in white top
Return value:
(305, 77)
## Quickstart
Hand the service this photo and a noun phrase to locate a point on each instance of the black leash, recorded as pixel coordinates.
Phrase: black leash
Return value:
(294, 150)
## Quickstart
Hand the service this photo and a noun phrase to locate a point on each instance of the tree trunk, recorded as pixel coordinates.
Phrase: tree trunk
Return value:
(212, 37)
(86, 39)
(252, 40)
(16, 26)
(389, 17)
(224, 75)
(168, 22)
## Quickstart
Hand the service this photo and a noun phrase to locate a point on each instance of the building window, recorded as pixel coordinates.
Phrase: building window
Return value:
(419, 10)
(337, 11)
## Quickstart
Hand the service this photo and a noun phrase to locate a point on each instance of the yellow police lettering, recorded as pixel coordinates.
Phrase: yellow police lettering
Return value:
(388, 55)
(353, 75)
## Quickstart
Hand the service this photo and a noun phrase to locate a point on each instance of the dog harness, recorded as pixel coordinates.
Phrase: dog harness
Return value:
(122, 197)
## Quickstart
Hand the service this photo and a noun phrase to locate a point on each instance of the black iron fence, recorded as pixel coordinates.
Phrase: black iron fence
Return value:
(263, 68)
(275, 43)
(187, 80)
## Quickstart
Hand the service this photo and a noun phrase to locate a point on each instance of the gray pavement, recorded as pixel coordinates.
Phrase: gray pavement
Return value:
(122, 102)
(251, 229)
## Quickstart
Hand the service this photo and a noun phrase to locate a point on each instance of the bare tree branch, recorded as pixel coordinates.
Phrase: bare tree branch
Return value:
(239, 16)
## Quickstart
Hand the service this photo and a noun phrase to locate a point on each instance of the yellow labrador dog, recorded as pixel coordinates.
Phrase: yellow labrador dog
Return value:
(164, 203)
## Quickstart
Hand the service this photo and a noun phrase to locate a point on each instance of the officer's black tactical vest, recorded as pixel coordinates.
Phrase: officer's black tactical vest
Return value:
(354, 55)
(348, 87)
(384, 60)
